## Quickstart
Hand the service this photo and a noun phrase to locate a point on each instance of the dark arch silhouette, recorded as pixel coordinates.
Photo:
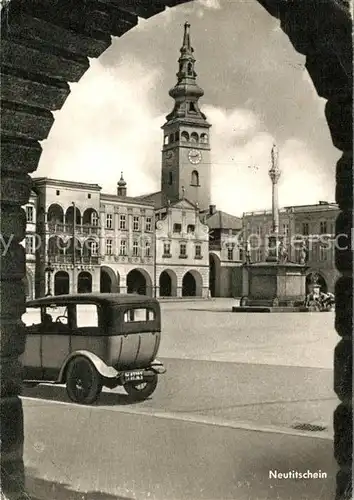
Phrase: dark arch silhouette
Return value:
(325, 40)
(61, 283)
(139, 281)
(84, 282)
(167, 284)
(109, 280)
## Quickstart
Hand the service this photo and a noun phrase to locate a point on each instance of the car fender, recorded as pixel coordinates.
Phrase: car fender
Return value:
(101, 367)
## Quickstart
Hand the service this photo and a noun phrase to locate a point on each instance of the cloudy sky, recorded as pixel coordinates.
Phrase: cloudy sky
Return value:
(256, 92)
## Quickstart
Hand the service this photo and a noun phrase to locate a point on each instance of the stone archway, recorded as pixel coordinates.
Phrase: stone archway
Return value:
(84, 282)
(139, 281)
(168, 283)
(109, 281)
(61, 283)
(192, 284)
(34, 84)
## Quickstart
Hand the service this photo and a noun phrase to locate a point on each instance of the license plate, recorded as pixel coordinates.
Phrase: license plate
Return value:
(134, 376)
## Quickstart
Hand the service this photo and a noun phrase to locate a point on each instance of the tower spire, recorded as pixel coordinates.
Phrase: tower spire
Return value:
(186, 47)
(186, 92)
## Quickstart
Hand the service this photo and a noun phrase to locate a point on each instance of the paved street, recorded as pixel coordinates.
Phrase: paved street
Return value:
(221, 417)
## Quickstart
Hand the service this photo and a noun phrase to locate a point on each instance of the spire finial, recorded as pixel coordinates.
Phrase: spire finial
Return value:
(186, 38)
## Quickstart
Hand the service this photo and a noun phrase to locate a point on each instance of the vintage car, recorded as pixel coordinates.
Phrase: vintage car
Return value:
(88, 341)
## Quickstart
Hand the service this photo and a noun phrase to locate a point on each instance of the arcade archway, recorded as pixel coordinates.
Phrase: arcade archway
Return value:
(139, 281)
(109, 281)
(84, 282)
(61, 283)
(167, 284)
(192, 284)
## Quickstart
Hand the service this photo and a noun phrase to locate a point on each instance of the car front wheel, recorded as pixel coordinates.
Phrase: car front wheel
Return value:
(83, 382)
(141, 390)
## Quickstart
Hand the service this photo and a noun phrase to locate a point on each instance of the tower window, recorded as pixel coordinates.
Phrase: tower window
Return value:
(177, 136)
(192, 107)
(185, 136)
(165, 140)
(170, 178)
(177, 228)
(195, 178)
(190, 69)
(172, 138)
(204, 138)
(194, 137)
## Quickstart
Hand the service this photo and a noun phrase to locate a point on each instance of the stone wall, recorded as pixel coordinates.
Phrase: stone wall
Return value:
(44, 45)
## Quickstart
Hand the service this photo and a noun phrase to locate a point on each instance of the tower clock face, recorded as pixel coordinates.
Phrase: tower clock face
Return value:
(194, 156)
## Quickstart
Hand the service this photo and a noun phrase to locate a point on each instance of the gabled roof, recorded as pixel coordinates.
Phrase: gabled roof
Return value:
(223, 220)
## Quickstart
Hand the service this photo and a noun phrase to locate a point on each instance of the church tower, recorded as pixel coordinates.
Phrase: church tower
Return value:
(186, 168)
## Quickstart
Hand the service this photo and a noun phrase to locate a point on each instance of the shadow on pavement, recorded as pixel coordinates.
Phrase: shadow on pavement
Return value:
(57, 393)
(41, 489)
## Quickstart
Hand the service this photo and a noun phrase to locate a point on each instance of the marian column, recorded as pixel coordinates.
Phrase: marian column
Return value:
(274, 174)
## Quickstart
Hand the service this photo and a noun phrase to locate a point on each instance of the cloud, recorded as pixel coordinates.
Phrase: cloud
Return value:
(241, 159)
(108, 125)
(210, 4)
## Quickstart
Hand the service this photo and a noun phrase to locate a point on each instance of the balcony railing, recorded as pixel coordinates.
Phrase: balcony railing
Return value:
(79, 259)
(84, 229)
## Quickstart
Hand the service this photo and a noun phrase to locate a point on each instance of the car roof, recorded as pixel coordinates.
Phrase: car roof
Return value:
(97, 298)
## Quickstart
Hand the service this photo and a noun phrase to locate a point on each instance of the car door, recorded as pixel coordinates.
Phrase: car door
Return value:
(55, 340)
(32, 356)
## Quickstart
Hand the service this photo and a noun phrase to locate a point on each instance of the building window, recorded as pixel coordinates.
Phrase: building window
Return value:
(323, 253)
(123, 248)
(170, 180)
(135, 248)
(285, 229)
(190, 228)
(29, 244)
(29, 214)
(167, 249)
(122, 222)
(147, 249)
(58, 192)
(93, 246)
(89, 196)
(177, 228)
(109, 221)
(183, 250)
(323, 227)
(148, 224)
(109, 246)
(136, 224)
(94, 219)
(195, 178)
(198, 251)
(305, 229)
(230, 253)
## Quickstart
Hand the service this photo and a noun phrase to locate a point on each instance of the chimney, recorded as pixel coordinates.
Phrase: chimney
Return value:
(212, 209)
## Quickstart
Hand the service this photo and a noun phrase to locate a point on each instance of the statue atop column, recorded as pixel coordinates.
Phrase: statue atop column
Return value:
(274, 174)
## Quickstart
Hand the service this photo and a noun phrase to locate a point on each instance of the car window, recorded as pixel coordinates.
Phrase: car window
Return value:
(87, 315)
(141, 314)
(32, 316)
(57, 314)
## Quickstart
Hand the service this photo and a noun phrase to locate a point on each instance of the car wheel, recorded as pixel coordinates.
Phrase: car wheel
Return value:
(83, 382)
(141, 390)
